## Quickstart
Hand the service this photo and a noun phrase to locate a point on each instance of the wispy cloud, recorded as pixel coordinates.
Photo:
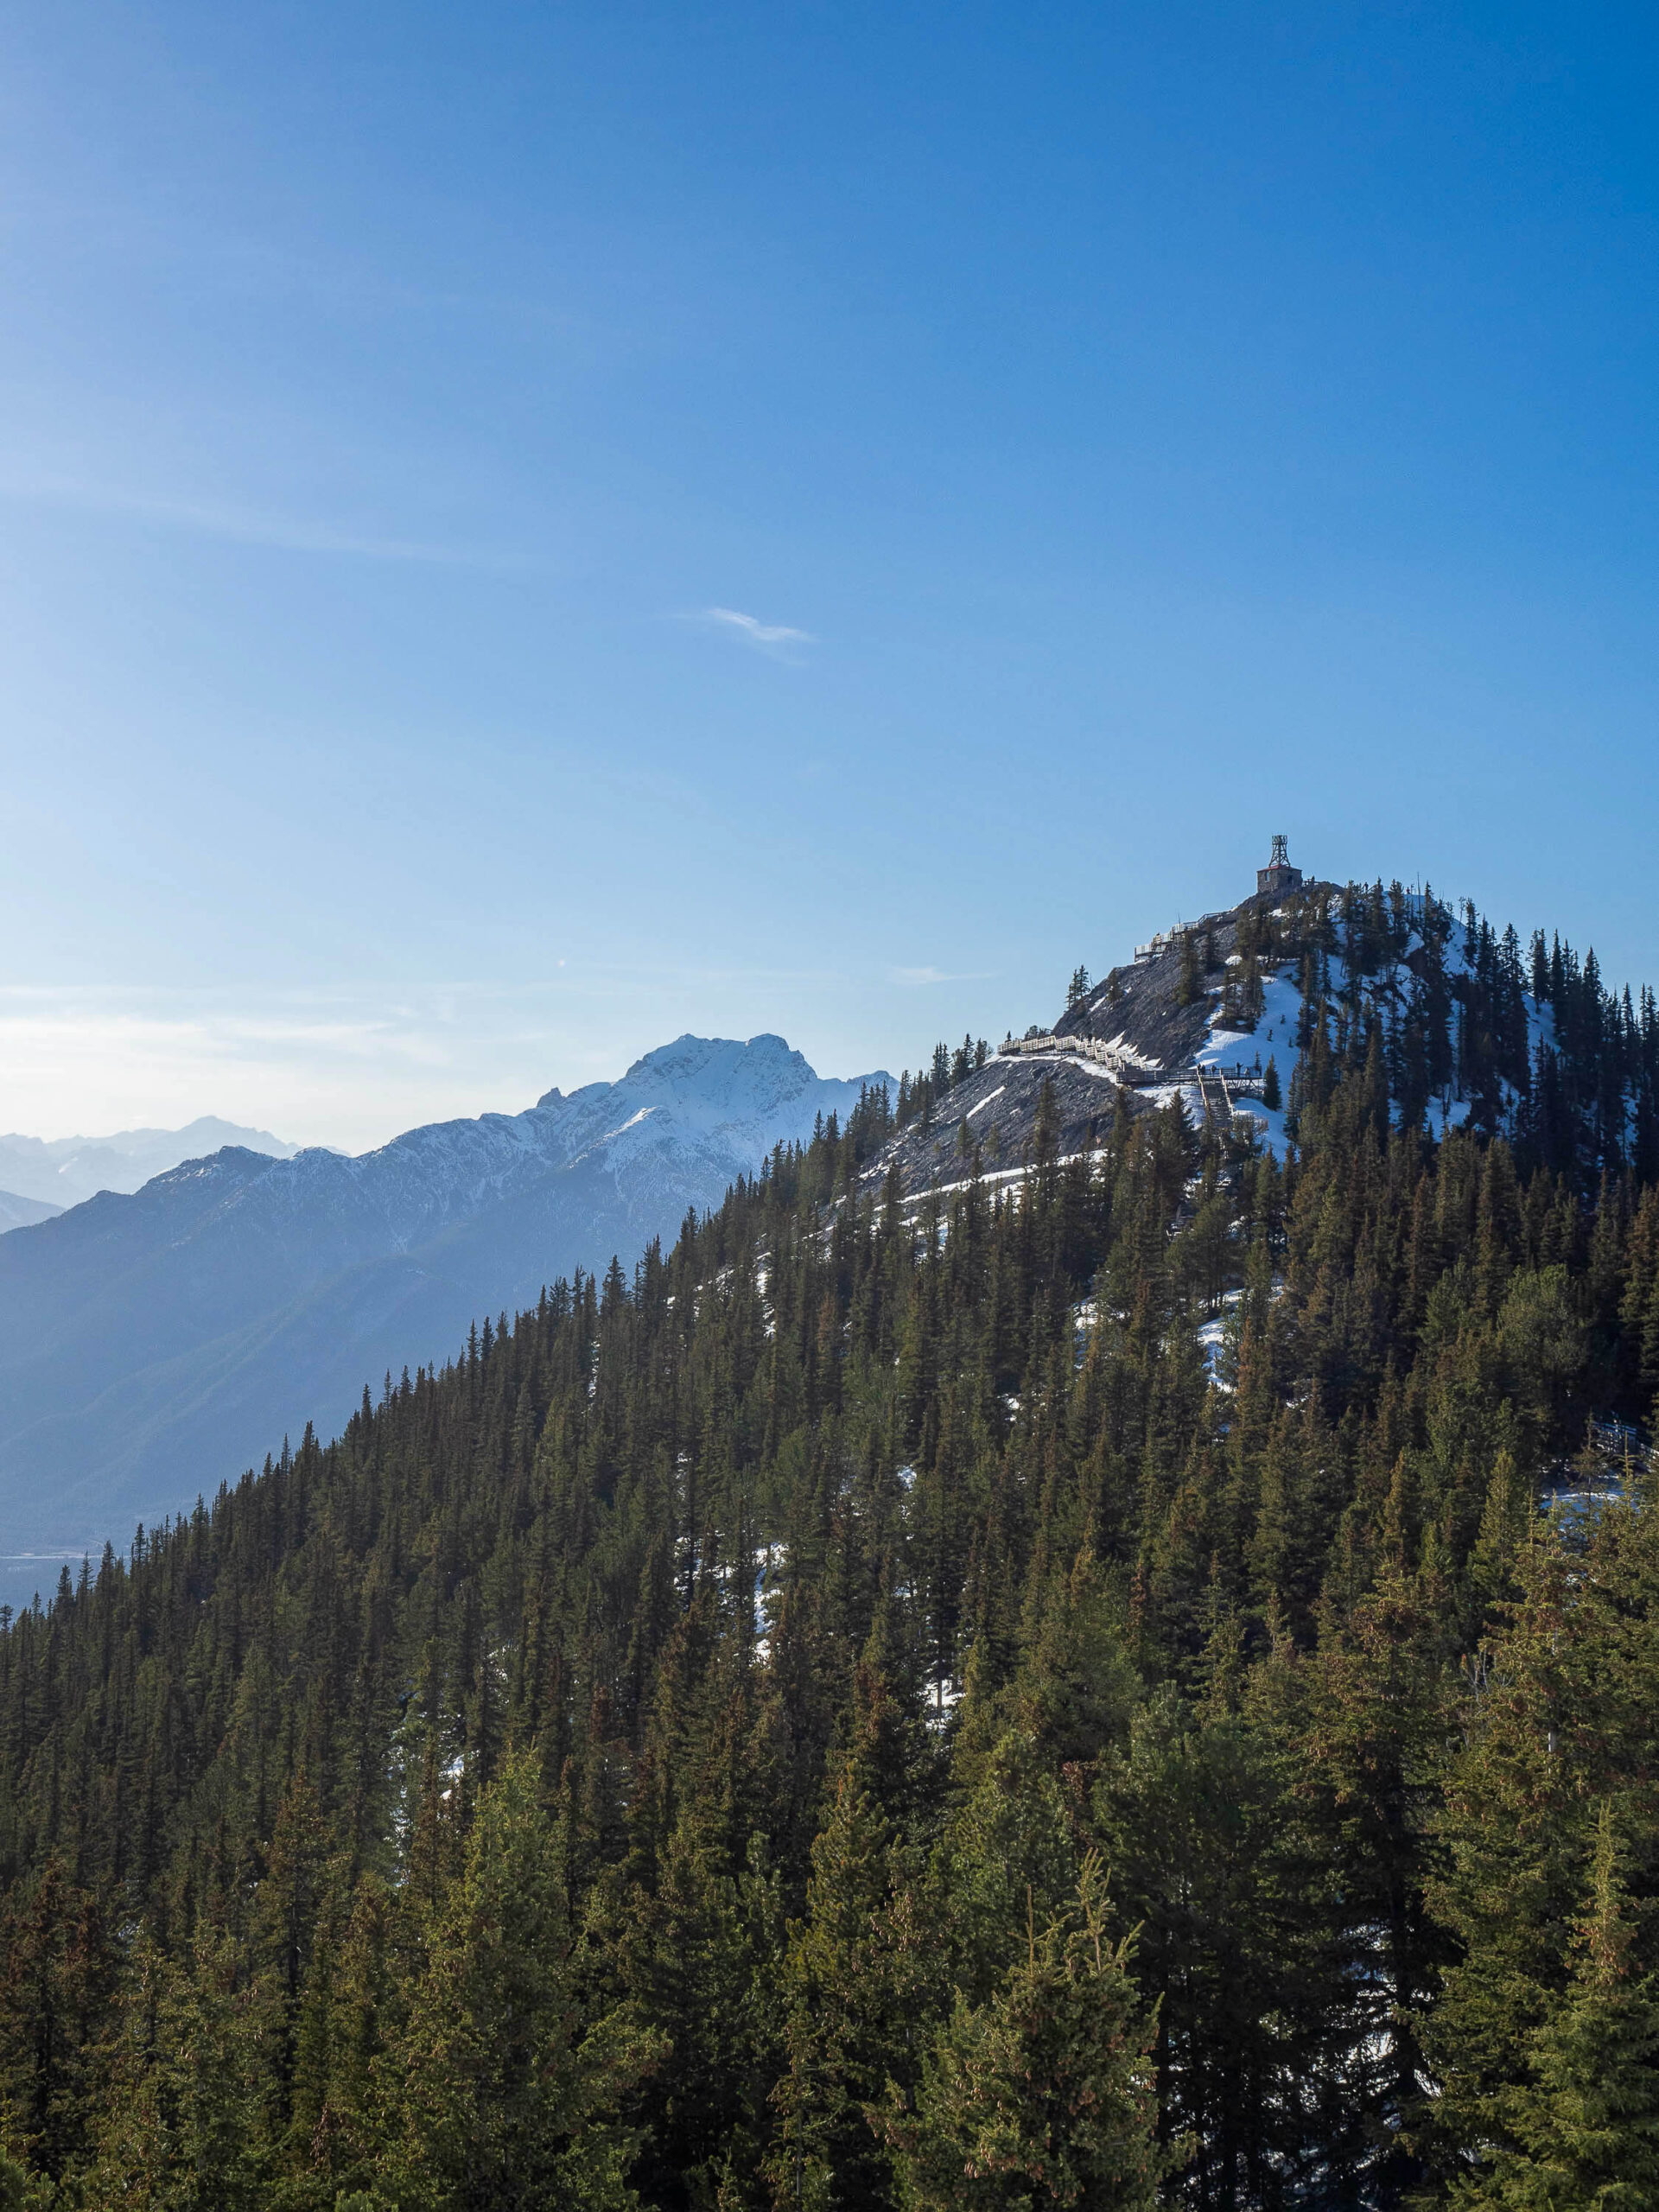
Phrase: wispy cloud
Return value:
(242, 525)
(766, 637)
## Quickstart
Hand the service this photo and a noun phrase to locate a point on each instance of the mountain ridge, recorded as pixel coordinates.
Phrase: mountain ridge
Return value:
(330, 1270)
(19, 1212)
(64, 1171)
(157, 1341)
(1467, 1027)
(822, 1609)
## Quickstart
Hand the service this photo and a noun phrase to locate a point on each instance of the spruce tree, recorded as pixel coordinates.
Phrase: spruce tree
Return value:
(499, 2093)
(855, 1972)
(1580, 2130)
(1590, 2127)
(1043, 2096)
(1189, 987)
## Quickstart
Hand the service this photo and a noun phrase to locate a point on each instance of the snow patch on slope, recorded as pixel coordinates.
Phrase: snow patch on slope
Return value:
(1273, 1038)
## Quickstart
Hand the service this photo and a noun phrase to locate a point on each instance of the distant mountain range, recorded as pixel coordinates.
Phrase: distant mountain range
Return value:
(17, 1212)
(154, 1344)
(57, 1172)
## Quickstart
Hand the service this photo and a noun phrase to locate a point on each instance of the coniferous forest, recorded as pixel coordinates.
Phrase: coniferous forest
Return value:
(1058, 1691)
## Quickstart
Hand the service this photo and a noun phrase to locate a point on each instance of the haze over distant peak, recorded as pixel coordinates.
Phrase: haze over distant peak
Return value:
(63, 1170)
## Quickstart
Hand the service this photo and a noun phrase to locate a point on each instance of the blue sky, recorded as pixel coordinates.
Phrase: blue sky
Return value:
(526, 530)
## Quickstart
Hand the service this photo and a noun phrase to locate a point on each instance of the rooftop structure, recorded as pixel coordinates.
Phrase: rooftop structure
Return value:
(1278, 876)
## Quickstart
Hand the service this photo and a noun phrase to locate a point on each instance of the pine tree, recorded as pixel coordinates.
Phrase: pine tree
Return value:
(1189, 987)
(188, 2123)
(700, 1956)
(1592, 2128)
(1581, 2133)
(56, 2019)
(500, 2094)
(1559, 1720)
(855, 1972)
(1043, 2096)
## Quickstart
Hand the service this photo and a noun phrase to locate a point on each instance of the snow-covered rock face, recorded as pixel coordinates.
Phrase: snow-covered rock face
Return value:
(739, 1080)
(701, 1110)
(704, 1082)
(739, 1098)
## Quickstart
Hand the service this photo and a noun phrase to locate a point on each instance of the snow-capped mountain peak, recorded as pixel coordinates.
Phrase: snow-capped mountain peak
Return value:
(156, 1342)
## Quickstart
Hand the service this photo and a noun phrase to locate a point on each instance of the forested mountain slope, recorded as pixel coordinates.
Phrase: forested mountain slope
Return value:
(1053, 1691)
(152, 1345)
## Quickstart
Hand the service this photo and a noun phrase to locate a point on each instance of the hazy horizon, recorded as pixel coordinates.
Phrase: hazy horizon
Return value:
(463, 1112)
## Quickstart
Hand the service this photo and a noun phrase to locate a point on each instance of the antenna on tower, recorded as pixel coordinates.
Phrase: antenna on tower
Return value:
(1278, 876)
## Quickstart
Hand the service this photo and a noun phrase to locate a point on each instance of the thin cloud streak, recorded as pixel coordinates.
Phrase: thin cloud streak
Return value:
(240, 525)
(766, 637)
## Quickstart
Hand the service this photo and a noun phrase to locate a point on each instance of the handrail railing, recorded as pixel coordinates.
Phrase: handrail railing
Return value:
(1247, 1080)
(1086, 1048)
